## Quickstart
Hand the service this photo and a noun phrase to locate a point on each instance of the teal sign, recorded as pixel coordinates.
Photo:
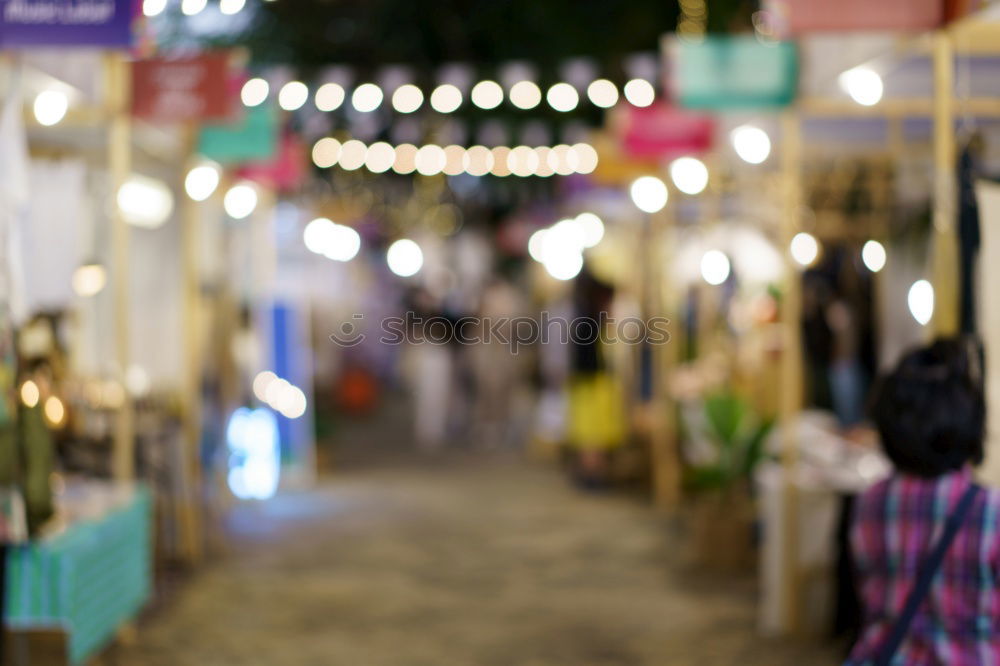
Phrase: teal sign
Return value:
(253, 139)
(741, 72)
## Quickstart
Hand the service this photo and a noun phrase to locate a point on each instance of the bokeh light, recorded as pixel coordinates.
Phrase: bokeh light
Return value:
(405, 258)
(649, 194)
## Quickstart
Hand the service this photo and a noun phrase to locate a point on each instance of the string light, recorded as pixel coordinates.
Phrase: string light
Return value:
(430, 160)
(446, 98)
(562, 97)
(380, 157)
(689, 174)
(89, 279)
(240, 201)
(920, 300)
(804, 248)
(649, 194)
(524, 161)
(293, 95)
(55, 411)
(153, 7)
(192, 7)
(30, 394)
(487, 94)
(407, 98)
(50, 107)
(454, 160)
(202, 181)
(715, 267)
(478, 161)
(326, 152)
(752, 144)
(254, 92)
(367, 97)
(592, 228)
(639, 92)
(873, 255)
(863, 84)
(352, 155)
(330, 96)
(406, 159)
(230, 7)
(405, 258)
(525, 95)
(603, 93)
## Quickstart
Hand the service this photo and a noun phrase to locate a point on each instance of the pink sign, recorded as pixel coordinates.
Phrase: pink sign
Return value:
(662, 131)
(792, 17)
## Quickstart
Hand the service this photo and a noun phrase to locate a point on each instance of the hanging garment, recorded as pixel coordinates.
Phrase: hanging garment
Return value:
(968, 238)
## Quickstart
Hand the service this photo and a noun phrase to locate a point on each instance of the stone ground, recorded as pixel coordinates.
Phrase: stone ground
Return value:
(463, 559)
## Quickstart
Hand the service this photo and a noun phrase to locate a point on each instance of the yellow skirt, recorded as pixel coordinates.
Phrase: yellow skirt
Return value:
(596, 412)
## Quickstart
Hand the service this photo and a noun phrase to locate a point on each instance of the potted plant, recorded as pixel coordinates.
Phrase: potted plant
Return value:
(723, 514)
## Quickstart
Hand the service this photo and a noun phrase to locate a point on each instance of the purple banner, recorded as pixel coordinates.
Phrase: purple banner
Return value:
(103, 23)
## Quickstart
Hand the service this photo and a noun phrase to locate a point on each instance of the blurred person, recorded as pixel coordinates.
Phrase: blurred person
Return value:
(497, 368)
(925, 541)
(596, 412)
(433, 372)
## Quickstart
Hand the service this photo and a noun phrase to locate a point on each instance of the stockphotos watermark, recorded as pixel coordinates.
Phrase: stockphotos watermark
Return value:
(513, 332)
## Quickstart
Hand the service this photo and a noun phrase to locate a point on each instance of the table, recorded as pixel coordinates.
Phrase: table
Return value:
(88, 579)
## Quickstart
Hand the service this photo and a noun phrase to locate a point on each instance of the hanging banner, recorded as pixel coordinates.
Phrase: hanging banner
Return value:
(660, 131)
(738, 72)
(99, 23)
(253, 139)
(285, 171)
(183, 89)
(794, 17)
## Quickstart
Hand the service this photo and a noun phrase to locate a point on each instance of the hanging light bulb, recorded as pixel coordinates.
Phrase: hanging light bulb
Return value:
(863, 84)
(804, 248)
(873, 255)
(405, 258)
(50, 107)
(89, 279)
(649, 194)
(254, 92)
(603, 93)
(487, 94)
(367, 97)
(240, 201)
(689, 174)
(752, 144)
(293, 95)
(715, 267)
(202, 181)
(920, 300)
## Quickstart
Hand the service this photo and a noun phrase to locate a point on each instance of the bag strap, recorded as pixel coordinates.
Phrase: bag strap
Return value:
(925, 576)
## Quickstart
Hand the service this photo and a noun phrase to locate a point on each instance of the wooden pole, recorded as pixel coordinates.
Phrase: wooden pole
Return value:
(118, 83)
(945, 243)
(790, 401)
(191, 499)
(666, 462)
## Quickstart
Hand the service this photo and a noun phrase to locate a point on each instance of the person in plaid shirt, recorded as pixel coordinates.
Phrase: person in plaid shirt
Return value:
(930, 413)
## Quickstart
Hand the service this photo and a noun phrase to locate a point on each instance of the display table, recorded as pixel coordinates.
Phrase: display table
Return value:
(91, 576)
(830, 468)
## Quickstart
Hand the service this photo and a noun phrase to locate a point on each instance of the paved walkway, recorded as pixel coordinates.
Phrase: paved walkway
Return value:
(482, 561)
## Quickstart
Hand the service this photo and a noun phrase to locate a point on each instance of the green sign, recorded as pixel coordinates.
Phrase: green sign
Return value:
(741, 72)
(252, 139)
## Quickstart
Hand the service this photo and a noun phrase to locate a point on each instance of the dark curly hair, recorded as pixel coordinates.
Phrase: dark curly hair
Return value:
(930, 409)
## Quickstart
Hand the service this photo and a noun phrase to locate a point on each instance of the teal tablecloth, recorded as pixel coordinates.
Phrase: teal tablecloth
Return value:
(87, 580)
